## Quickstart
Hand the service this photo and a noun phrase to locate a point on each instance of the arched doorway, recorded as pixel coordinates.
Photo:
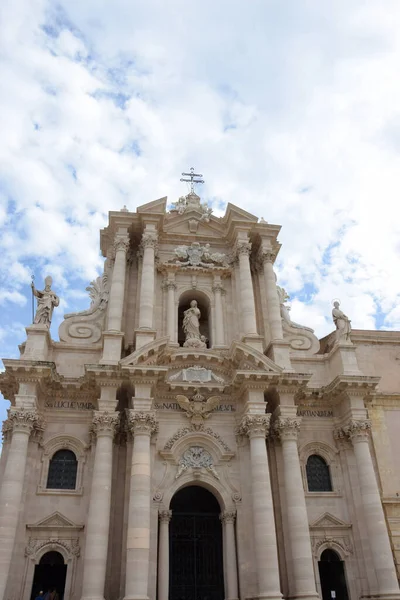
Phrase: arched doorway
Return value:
(332, 576)
(50, 575)
(196, 562)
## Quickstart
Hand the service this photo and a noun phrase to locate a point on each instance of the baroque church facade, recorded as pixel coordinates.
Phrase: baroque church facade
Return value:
(186, 440)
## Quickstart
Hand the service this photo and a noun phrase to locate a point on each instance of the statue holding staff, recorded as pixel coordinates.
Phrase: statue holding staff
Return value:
(46, 301)
(342, 322)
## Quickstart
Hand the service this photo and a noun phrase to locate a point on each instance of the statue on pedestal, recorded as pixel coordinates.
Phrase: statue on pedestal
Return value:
(46, 301)
(191, 327)
(342, 322)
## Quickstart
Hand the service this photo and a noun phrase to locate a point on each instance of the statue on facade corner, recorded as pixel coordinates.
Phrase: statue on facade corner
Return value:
(46, 301)
(342, 322)
(283, 297)
(191, 327)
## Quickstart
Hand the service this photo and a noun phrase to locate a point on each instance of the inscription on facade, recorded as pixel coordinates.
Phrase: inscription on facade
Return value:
(69, 405)
(175, 406)
(315, 413)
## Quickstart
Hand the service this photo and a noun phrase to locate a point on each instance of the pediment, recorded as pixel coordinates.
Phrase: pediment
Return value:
(146, 355)
(235, 213)
(154, 207)
(191, 223)
(327, 520)
(54, 521)
(247, 358)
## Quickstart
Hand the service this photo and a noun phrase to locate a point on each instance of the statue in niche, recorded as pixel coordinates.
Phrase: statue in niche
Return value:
(342, 322)
(46, 301)
(191, 327)
(283, 297)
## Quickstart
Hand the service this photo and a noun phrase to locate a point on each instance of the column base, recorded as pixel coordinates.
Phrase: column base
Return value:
(279, 352)
(38, 343)
(132, 597)
(271, 596)
(92, 598)
(144, 337)
(305, 596)
(382, 596)
(343, 359)
(254, 340)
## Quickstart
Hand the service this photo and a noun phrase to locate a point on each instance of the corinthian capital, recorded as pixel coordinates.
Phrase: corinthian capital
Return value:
(121, 243)
(141, 422)
(266, 255)
(286, 428)
(105, 423)
(165, 516)
(357, 431)
(255, 426)
(242, 248)
(228, 516)
(22, 420)
(149, 240)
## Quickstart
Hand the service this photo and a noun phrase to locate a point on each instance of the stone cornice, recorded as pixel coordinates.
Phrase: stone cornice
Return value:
(351, 385)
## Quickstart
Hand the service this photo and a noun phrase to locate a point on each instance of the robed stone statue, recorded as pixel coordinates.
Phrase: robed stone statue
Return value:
(46, 301)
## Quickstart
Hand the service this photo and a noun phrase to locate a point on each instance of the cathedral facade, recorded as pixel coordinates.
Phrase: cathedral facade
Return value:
(186, 440)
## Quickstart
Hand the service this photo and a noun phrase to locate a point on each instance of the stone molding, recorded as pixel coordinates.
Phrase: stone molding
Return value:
(71, 546)
(195, 458)
(255, 426)
(286, 428)
(165, 516)
(218, 288)
(341, 545)
(186, 431)
(228, 516)
(50, 447)
(265, 255)
(330, 456)
(104, 423)
(139, 422)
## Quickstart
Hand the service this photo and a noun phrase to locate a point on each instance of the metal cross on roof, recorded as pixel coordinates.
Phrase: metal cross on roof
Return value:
(192, 179)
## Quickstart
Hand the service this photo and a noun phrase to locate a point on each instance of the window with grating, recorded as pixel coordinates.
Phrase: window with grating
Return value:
(62, 471)
(318, 475)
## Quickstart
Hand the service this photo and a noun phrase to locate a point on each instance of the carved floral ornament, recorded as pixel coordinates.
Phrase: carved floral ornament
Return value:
(228, 516)
(149, 240)
(71, 546)
(22, 420)
(341, 545)
(255, 426)
(286, 428)
(165, 516)
(105, 422)
(356, 431)
(121, 243)
(141, 422)
(196, 457)
(190, 430)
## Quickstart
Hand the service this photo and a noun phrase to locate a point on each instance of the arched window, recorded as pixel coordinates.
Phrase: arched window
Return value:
(318, 475)
(62, 471)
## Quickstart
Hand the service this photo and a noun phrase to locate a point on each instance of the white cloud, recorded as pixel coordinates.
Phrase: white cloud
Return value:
(290, 111)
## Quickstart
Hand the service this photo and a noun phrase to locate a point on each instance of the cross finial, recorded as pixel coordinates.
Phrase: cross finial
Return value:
(192, 179)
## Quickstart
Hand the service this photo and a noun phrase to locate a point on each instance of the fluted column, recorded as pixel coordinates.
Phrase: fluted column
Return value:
(274, 311)
(228, 519)
(171, 321)
(146, 303)
(21, 422)
(98, 522)
(142, 425)
(302, 582)
(248, 309)
(257, 428)
(163, 554)
(382, 557)
(219, 316)
(117, 290)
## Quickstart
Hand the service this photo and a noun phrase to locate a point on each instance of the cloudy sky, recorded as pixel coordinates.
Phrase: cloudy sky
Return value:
(289, 108)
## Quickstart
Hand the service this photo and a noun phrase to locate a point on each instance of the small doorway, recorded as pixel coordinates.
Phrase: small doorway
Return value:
(332, 576)
(50, 574)
(196, 562)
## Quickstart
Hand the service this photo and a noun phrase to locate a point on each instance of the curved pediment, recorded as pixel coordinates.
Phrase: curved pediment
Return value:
(150, 354)
(247, 358)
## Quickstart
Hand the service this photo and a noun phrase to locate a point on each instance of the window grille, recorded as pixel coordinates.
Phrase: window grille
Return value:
(318, 475)
(62, 471)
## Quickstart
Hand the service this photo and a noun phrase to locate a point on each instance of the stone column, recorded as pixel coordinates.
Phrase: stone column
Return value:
(219, 316)
(274, 311)
(117, 290)
(302, 584)
(248, 309)
(21, 422)
(171, 320)
(98, 522)
(163, 554)
(257, 428)
(146, 303)
(382, 557)
(228, 520)
(142, 425)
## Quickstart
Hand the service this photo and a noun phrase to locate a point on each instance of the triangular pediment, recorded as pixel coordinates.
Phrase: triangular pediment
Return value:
(327, 520)
(54, 521)
(235, 213)
(191, 223)
(154, 207)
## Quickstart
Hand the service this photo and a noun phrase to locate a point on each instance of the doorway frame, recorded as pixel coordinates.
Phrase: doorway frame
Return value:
(39, 548)
(349, 565)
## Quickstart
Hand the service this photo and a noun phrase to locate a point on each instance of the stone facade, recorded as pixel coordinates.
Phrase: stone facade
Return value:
(239, 401)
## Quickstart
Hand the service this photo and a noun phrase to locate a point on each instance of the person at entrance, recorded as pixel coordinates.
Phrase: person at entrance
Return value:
(39, 596)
